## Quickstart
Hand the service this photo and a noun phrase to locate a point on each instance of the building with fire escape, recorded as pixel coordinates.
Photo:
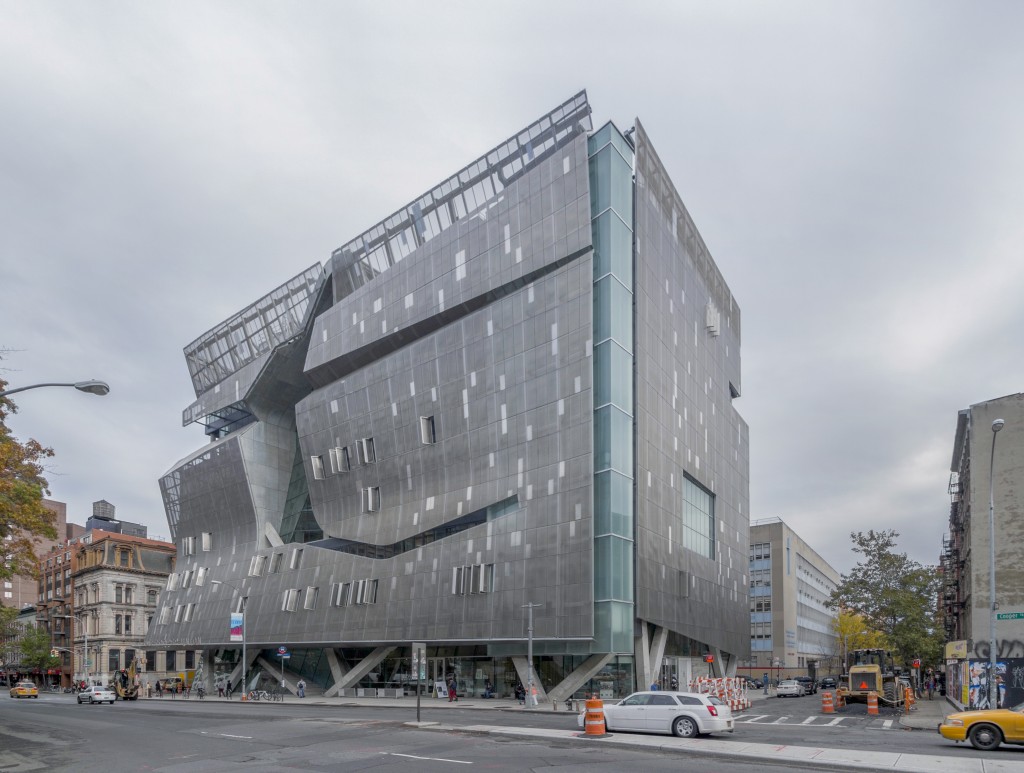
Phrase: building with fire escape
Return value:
(985, 462)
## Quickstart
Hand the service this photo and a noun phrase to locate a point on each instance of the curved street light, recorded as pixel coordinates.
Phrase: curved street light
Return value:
(92, 387)
(993, 689)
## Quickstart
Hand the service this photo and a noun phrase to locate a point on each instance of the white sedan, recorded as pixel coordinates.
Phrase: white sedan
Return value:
(789, 687)
(97, 694)
(684, 714)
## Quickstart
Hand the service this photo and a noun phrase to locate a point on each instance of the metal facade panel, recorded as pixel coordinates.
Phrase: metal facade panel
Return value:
(686, 423)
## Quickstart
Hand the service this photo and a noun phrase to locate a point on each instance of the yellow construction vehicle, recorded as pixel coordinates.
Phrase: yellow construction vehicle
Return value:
(126, 683)
(872, 670)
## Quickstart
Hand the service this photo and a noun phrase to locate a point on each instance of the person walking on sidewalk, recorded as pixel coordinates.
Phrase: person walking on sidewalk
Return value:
(453, 687)
(301, 687)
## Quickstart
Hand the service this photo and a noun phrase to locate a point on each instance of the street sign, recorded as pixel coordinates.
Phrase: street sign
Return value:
(1010, 616)
(284, 657)
(282, 650)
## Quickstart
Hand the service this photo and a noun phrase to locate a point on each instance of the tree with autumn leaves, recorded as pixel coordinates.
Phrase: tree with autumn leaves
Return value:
(23, 518)
(889, 601)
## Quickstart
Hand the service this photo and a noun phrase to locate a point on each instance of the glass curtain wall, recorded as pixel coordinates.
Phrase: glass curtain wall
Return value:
(611, 210)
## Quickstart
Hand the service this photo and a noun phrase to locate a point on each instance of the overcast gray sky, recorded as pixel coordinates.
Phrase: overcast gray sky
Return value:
(856, 170)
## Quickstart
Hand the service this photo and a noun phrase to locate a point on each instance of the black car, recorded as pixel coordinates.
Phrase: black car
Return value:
(810, 686)
(828, 683)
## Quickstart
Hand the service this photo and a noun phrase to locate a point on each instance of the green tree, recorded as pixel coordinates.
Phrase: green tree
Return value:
(35, 648)
(8, 639)
(23, 518)
(894, 596)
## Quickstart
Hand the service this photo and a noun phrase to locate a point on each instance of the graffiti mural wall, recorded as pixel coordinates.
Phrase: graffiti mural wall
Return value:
(973, 678)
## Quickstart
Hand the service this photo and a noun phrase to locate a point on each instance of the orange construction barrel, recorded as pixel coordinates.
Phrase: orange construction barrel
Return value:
(593, 720)
(827, 706)
(873, 704)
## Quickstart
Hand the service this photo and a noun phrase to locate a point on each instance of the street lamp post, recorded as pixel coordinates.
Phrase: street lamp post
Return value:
(993, 689)
(92, 387)
(530, 696)
(85, 632)
(244, 662)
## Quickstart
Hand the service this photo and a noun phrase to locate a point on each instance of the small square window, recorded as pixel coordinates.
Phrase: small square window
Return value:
(371, 499)
(427, 434)
(365, 451)
(290, 600)
(275, 563)
(207, 541)
(296, 559)
(311, 597)
(318, 467)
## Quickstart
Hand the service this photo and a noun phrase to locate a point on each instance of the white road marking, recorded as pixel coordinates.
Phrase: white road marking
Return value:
(228, 735)
(428, 759)
(887, 724)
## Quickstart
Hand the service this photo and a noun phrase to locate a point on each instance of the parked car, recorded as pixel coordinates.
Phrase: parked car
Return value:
(24, 690)
(810, 686)
(754, 684)
(829, 683)
(985, 729)
(789, 688)
(97, 694)
(684, 714)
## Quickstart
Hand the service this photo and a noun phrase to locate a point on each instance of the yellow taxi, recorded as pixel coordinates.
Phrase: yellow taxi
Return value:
(24, 690)
(985, 729)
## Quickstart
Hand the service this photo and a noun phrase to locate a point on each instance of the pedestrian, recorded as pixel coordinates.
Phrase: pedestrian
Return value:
(931, 686)
(674, 684)
(764, 681)
(301, 687)
(488, 689)
(159, 689)
(452, 690)
(220, 689)
(520, 694)
(654, 686)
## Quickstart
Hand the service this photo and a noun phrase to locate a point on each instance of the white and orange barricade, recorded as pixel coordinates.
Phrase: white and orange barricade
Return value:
(731, 690)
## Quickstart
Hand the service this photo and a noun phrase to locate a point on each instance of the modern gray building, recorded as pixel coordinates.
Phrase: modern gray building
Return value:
(517, 390)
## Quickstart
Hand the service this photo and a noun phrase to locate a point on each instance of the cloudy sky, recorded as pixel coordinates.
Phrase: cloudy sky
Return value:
(856, 169)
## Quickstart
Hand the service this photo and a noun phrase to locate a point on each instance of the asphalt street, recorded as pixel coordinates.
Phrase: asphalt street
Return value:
(54, 733)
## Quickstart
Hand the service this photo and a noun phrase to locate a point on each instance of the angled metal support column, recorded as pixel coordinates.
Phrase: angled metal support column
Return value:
(363, 667)
(520, 662)
(338, 671)
(572, 682)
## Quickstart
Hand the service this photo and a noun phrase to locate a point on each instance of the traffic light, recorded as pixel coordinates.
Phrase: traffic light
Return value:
(917, 662)
(53, 653)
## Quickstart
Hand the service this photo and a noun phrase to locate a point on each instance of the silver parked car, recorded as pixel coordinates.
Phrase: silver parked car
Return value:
(684, 714)
(789, 688)
(97, 694)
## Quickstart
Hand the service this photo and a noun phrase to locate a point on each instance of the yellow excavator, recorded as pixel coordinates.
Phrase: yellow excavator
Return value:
(872, 670)
(126, 683)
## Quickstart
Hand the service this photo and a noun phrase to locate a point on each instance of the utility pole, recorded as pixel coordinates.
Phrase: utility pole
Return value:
(530, 692)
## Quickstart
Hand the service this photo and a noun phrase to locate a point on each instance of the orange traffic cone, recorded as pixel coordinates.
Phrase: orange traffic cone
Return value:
(593, 721)
(873, 704)
(827, 706)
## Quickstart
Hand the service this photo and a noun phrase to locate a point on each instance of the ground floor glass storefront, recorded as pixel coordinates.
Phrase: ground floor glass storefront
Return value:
(471, 670)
